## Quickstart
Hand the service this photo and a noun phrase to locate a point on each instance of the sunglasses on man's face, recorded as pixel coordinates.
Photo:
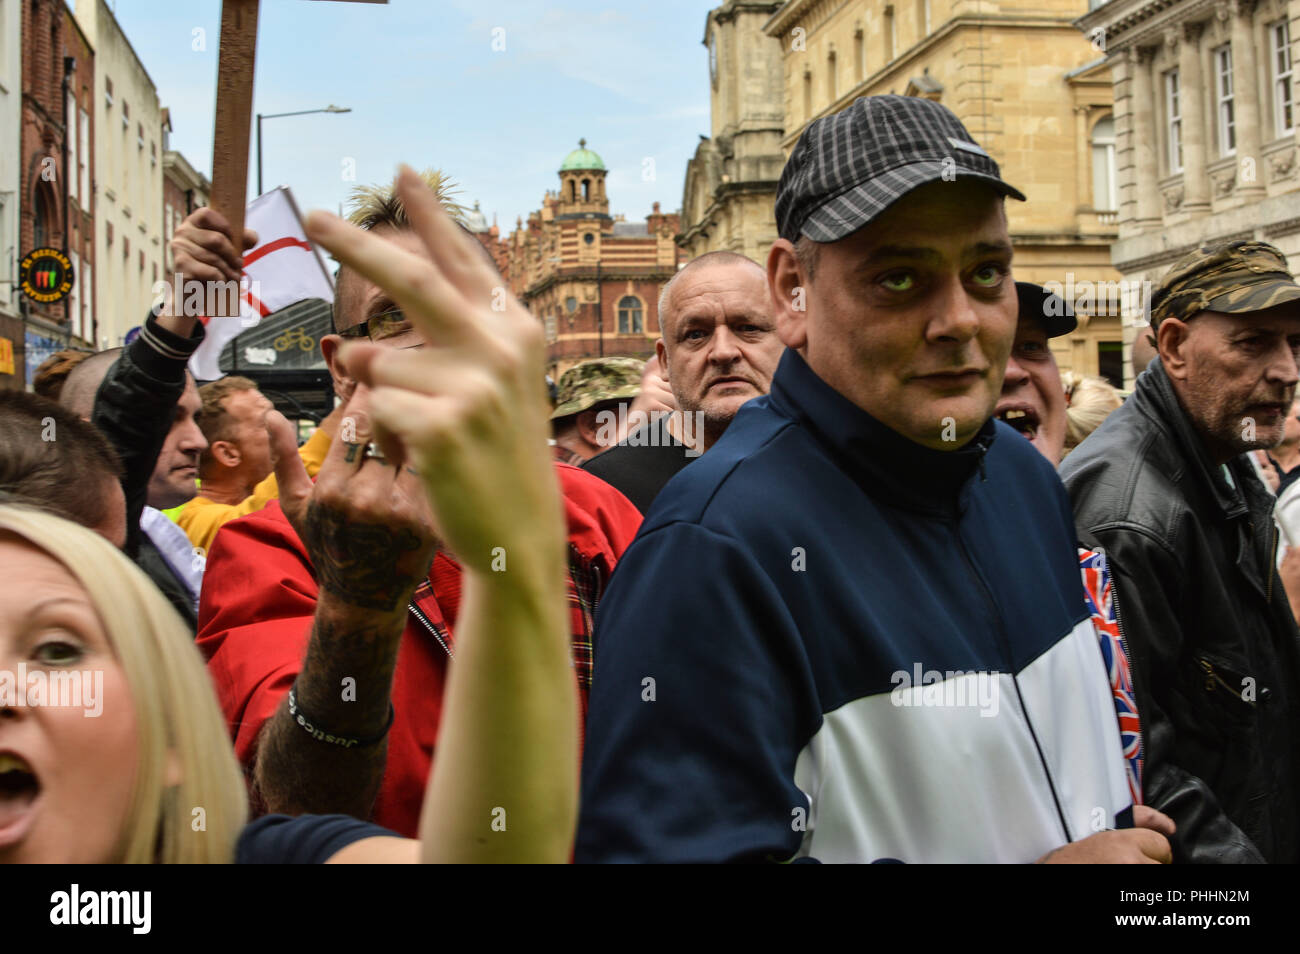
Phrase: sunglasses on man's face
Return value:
(390, 327)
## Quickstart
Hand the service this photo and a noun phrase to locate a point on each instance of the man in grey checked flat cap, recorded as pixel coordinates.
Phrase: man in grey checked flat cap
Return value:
(854, 629)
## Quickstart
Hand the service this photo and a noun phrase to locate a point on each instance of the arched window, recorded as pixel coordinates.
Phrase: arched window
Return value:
(44, 225)
(586, 190)
(573, 190)
(629, 315)
(1104, 189)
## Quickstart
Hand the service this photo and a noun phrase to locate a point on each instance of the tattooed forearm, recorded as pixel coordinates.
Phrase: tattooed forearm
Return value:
(366, 565)
(345, 685)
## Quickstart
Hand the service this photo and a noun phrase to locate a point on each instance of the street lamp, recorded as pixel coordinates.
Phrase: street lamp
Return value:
(302, 112)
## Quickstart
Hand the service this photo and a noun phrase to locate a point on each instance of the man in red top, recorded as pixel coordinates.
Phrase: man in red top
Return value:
(349, 602)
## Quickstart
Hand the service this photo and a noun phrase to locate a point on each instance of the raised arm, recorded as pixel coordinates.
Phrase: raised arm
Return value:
(468, 414)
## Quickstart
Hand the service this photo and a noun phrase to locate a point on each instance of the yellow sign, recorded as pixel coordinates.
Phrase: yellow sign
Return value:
(298, 336)
(6, 356)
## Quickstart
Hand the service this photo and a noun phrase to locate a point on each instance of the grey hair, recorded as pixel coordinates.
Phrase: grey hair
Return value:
(720, 257)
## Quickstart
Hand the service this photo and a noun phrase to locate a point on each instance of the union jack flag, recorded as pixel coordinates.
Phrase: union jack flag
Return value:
(1099, 594)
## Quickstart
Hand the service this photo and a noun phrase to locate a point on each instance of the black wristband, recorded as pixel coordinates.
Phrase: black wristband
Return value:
(312, 728)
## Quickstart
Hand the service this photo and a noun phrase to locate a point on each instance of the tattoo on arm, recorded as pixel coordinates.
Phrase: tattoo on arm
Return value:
(366, 565)
(297, 774)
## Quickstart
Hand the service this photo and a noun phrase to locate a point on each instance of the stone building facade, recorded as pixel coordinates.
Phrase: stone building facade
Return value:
(592, 278)
(1206, 131)
(1028, 87)
(11, 187)
(184, 190)
(730, 184)
(128, 174)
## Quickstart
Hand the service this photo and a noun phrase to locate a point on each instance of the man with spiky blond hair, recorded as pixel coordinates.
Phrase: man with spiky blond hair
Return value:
(328, 617)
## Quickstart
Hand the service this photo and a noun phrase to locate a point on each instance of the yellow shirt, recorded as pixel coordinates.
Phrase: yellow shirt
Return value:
(201, 518)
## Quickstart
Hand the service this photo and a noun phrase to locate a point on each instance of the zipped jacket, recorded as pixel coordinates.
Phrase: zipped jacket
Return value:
(1213, 644)
(831, 643)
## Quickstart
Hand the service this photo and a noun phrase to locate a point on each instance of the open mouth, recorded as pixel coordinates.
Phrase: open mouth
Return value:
(19, 788)
(1023, 418)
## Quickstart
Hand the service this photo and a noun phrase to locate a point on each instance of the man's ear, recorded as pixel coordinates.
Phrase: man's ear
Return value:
(788, 290)
(226, 453)
(329, 349)
(589, 427)
(1172, 344)
(661, 350)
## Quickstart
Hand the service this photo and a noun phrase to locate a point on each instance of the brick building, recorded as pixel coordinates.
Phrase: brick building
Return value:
(56, 200)
(593, 279)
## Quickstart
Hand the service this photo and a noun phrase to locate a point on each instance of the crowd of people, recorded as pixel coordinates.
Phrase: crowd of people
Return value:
(848, 571)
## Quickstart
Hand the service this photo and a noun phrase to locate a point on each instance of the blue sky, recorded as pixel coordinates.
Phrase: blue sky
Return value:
(426, 87)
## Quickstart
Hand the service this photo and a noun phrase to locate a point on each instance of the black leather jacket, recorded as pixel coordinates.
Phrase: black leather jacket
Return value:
(134, 408)
(1214, 646)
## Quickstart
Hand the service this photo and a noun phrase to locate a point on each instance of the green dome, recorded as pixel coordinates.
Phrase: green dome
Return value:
(582, 158)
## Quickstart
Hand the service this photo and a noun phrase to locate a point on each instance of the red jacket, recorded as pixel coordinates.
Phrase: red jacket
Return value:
(258, 601)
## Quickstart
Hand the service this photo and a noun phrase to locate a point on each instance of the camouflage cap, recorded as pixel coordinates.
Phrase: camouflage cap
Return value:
(1235, 278)
(595, 380)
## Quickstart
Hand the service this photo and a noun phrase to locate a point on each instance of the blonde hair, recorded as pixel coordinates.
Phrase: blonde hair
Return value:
(1089, 401)
(376, 206)
(179, 724)
(371, 206)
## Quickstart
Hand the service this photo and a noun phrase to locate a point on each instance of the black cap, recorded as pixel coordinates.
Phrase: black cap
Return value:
(1053, 312)
(848, 168)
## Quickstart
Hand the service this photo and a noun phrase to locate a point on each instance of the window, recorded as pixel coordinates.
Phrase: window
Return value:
(570, 304)
(923, 16)
(573, 190)
(1173, 123)
(74, 293)
(139, 135)
(629, 315)
(859, 56)
(126, 115)
(71, 135)
(589, 237)
(108, 228)
(1280, 37)
(44, 218)
(1104, 196)
(891, 38)
(1110, 362)
(807, 93)
(1223, 97)
(84, 170)
(87, 300)
(830, 76)
(586, 190)
(108, 91)
(126, 248)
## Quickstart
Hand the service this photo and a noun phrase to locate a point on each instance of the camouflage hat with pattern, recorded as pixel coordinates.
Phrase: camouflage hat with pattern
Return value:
(1234, 278)
(597, 379)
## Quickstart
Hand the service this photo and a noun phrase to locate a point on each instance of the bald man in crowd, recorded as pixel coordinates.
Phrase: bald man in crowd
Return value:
(718, 348)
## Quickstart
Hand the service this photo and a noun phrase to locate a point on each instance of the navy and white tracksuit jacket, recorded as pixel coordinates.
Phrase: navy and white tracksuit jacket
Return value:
(828, 642)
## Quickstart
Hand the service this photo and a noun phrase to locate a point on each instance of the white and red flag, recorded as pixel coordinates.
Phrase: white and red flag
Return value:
(284, 267)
